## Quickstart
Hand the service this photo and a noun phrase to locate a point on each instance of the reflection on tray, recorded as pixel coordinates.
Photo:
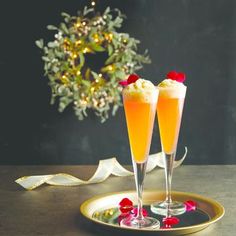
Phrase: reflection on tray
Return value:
(112, 216)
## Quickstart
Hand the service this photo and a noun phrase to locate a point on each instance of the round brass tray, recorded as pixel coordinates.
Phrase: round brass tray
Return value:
(208, 211)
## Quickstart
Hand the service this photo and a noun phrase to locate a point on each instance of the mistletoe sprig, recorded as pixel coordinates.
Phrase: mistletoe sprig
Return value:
(71, 80)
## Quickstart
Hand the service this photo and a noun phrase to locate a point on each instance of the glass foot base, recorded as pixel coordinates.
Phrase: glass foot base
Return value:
(164, 208)
(146, 222)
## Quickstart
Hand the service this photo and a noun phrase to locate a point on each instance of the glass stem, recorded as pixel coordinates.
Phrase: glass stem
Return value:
(169, 164)
(139, 172)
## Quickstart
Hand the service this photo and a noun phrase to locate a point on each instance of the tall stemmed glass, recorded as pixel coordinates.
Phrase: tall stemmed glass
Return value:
(140, 112)
(169, 113)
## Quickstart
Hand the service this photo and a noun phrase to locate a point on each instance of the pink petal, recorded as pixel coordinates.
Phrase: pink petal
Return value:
(190, 205)
(180, 77)
(123, 83)
(169, 221)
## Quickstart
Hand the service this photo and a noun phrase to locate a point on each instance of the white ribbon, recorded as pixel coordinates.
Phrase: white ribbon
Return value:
(105, 168)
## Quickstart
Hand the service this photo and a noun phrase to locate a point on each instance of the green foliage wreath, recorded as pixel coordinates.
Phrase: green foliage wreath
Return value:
(65, 58)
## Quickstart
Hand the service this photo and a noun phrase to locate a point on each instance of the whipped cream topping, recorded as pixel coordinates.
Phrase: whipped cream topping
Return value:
(171, 88)
(143, 90)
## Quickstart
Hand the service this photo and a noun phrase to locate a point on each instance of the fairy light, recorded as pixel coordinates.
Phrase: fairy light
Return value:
(100, 75)
(78, 24)
(64, 79)
(110, 36)
(110, 68)
(78, 72)
(92, 89)
(85, 50)
(93, 3)
(95, 102)
(83, 23)
(83, 102)
(78, 42)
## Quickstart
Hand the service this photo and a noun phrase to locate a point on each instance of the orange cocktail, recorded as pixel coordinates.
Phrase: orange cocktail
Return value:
(169, 111)
(140, 118)
(140, 100)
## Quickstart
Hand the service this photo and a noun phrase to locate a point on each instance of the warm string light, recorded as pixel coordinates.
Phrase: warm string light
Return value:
(74, 55)
(92, 89)
(86, 50)
(110, 68)
(93, 3)
(96, 38)
(109, 37)
(78, 42)
(77, 25)
(64, 79)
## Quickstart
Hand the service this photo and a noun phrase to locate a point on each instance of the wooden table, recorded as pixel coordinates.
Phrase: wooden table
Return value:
(51, 210)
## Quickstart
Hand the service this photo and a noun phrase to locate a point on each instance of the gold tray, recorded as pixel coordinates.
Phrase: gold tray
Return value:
(208, 211)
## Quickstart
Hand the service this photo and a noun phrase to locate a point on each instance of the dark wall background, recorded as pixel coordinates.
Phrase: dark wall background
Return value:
(194, 36)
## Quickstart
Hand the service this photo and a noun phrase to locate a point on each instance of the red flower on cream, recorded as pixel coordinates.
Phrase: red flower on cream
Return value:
(178, 76)
(131, 79)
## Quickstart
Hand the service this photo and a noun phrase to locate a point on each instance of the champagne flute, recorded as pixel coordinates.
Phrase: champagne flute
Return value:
(169, 112)
(140, 99)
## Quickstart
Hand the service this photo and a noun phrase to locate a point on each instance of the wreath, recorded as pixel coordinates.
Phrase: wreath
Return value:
(67, 61)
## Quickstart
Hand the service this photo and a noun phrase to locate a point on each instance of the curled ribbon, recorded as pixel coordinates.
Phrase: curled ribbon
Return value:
(105, 168)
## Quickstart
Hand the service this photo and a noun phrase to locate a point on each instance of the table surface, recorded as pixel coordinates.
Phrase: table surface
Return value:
(54, 210)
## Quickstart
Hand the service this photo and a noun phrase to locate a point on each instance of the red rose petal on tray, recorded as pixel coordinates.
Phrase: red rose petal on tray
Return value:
(126, 202)
(126, 205)
(170, 220)
(126, 209)
(190, 205)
